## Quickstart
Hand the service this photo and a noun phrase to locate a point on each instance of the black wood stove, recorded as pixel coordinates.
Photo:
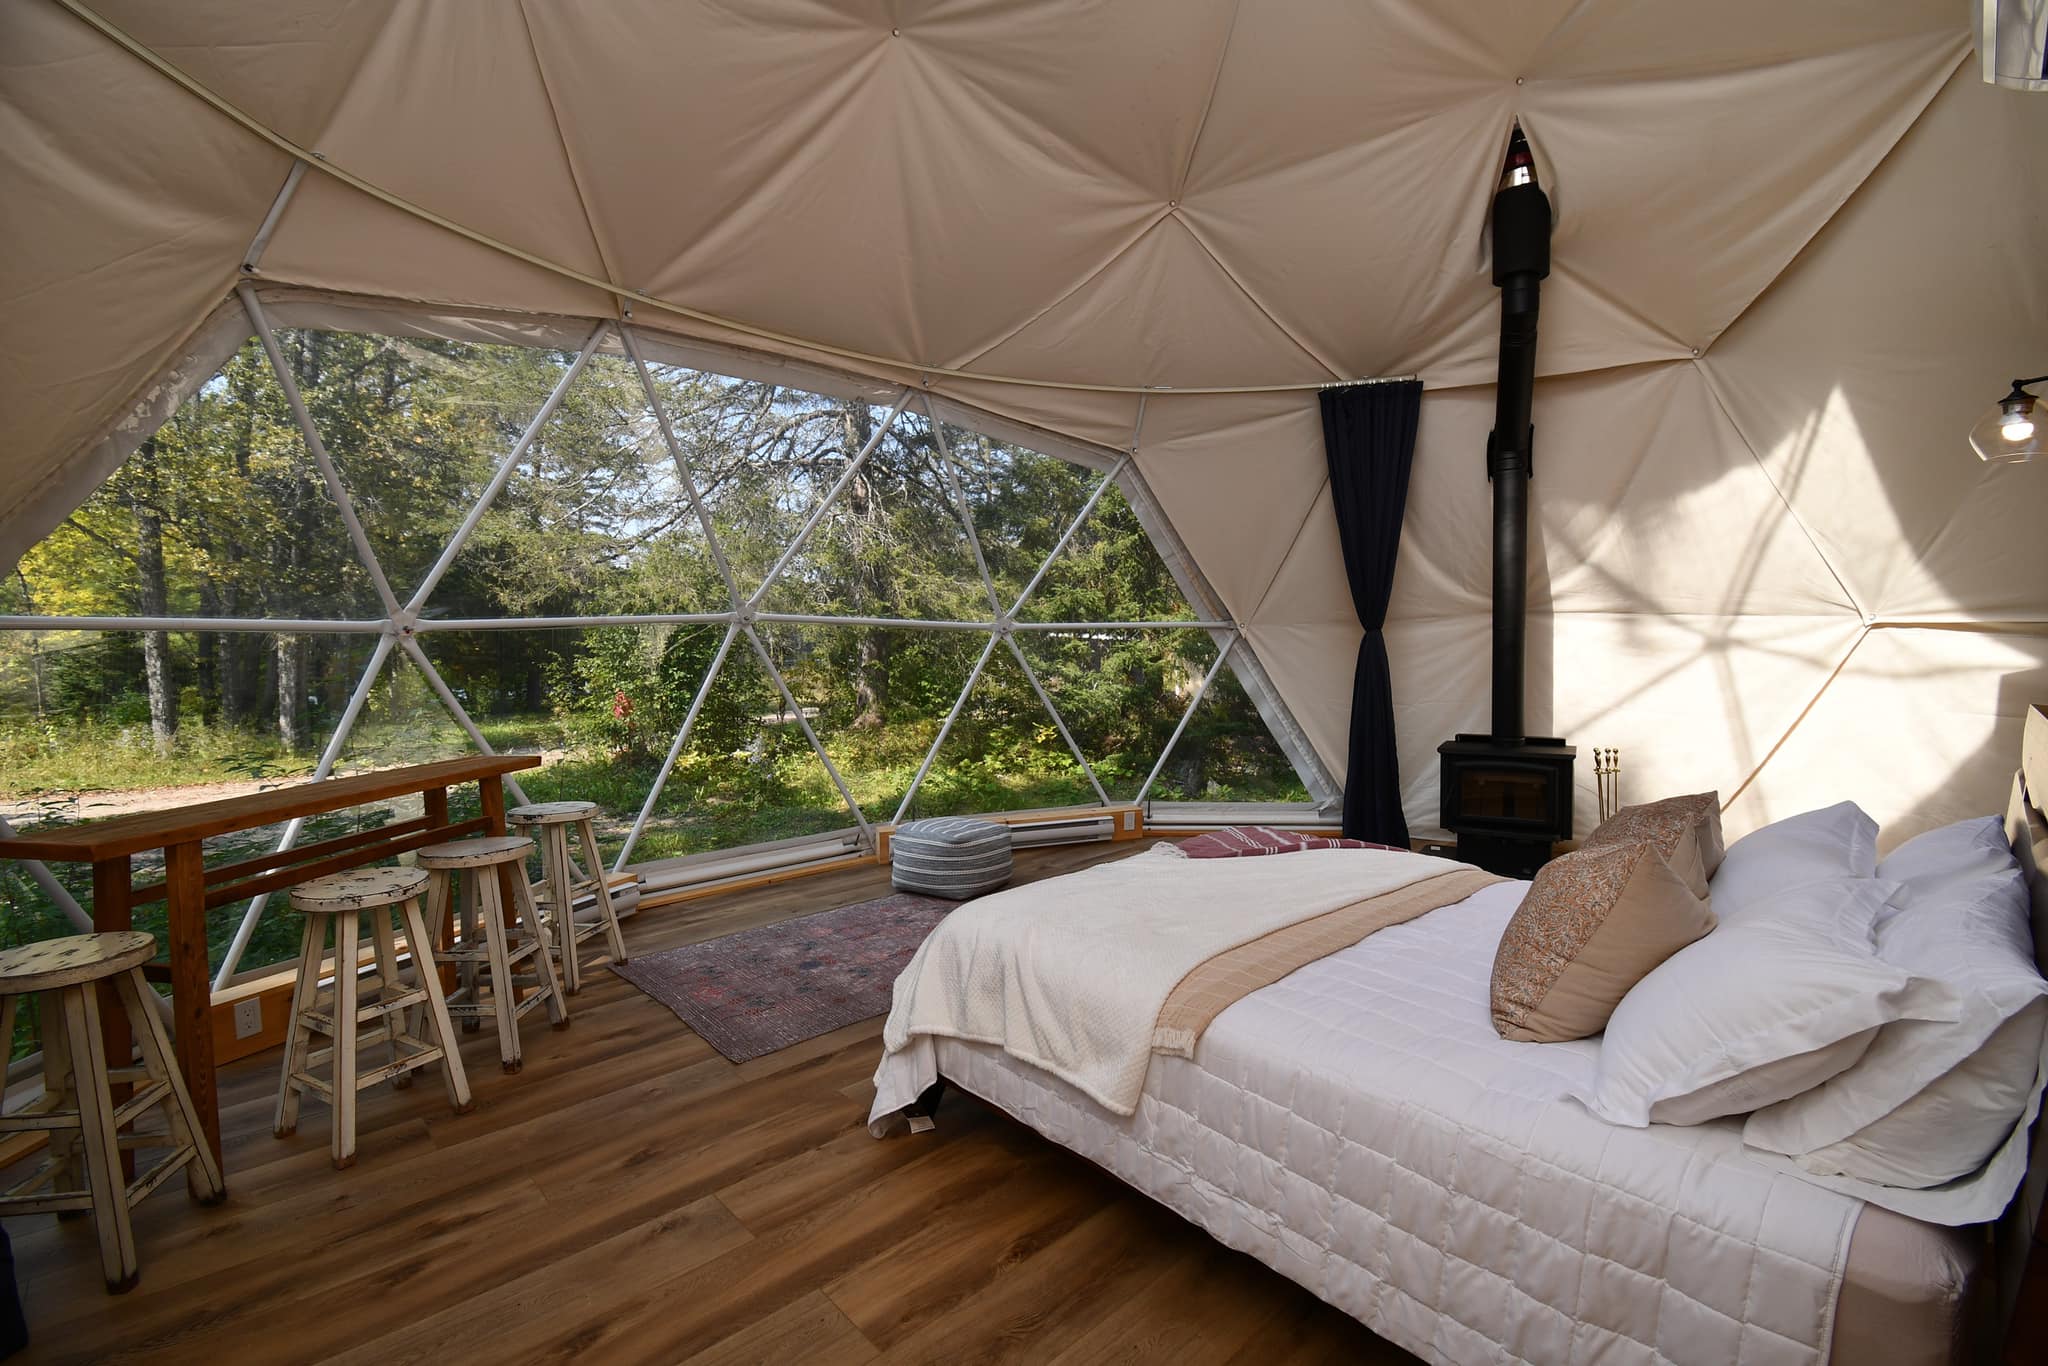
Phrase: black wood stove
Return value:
(1507, 795)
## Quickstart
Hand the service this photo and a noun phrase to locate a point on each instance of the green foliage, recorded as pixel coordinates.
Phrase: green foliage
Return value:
(594, 519)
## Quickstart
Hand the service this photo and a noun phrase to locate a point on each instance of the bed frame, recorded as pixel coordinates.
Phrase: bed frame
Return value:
(2022, 1230)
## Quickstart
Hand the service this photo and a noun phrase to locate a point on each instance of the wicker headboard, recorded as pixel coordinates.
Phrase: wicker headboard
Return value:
(2026, 825)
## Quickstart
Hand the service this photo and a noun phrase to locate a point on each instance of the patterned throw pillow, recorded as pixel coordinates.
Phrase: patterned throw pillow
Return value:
(1686, 831)
(1595, 921)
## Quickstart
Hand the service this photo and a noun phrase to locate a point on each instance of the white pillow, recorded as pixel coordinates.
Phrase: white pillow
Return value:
(1761, 1009)
(1836, 841)
(1952, 1126)
(1950, 857)
(1931, 1100)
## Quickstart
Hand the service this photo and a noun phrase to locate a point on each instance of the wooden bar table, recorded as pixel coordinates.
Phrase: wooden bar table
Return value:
(191, 889)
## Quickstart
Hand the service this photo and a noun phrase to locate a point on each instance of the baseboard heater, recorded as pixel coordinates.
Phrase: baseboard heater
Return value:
(1223, 815)
(1074, 830)
(711, 870)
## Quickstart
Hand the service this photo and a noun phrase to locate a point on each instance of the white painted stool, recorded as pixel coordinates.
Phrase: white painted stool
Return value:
(485, 945)
(342, 898)
(83, 1171)
(562, 882)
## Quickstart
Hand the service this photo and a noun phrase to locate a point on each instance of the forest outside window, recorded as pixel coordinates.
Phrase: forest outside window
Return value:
(863, 612)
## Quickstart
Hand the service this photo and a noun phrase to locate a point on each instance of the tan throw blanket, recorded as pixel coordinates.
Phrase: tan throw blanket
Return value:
(1236, 973)
(1070, 974)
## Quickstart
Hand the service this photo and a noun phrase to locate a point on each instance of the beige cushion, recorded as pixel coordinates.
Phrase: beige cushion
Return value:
(1686, 830)
(1594, 923)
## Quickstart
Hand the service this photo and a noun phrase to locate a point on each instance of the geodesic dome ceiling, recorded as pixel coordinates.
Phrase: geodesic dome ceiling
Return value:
(1797, 249)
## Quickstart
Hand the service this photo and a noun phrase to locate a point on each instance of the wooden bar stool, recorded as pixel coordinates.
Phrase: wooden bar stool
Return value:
(342, 898)
(485, 943)
(83, 1171)
(562, 882)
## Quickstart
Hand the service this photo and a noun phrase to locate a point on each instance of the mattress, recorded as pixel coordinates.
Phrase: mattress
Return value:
(1359, 1127)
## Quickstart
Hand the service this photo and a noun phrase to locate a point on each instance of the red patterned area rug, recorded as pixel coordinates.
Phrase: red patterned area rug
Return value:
(767, 988)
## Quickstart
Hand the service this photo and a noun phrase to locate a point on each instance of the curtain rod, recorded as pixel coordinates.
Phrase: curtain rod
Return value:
(625, 295)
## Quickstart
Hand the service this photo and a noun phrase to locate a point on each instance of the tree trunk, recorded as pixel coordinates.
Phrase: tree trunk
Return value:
(153, 597)
(233, 661)
(869, 588)
(291, 692)
(871, 681)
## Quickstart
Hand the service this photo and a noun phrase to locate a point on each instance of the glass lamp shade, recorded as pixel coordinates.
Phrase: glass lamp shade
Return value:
(2014, 431)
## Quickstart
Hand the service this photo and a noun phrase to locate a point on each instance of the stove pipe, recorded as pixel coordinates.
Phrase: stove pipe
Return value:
(1521, 258)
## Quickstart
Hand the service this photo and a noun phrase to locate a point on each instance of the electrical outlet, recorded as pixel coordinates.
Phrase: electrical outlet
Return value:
(248, 1016)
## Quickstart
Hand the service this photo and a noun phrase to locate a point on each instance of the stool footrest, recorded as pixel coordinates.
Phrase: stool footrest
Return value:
(377, 1075)
(45, 1174)
(481, 955)
(54, 1203)
(152, 1094)
(38, 1114)
(417, 1053)
(174, 1161)
(322, 1018)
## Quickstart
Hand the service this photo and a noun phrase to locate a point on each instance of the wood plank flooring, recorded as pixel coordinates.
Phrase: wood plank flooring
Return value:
(632, 1196)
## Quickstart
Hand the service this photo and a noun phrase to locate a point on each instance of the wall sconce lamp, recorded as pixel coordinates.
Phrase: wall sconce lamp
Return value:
(2013, 432)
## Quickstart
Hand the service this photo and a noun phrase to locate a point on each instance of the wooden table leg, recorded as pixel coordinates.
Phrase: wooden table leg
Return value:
(112, 912)
(435, 800)
(191, 983)
(490, 792)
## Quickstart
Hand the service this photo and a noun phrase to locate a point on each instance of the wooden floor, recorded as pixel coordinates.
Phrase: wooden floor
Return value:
(632, 1196)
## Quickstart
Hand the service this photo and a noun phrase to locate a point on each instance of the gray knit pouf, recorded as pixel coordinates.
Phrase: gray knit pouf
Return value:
(950, 856)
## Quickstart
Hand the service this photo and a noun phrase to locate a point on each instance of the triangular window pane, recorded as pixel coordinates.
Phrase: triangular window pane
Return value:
(415, 425)
(593, 520)
(1004, 753)
(893, 543)
(1021, 503)
(746, 774)
(1108, 571)
(1227, 754)
(1120, 693)
(765, 457)
(875, 696)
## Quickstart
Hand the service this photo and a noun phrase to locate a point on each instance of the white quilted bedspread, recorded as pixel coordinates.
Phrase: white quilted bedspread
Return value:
(1359, 1127)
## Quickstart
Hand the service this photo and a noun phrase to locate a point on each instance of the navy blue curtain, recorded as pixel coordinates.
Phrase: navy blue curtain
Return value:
(1369, 439)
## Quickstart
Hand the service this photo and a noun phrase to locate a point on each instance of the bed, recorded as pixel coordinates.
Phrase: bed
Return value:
(1359, 1126)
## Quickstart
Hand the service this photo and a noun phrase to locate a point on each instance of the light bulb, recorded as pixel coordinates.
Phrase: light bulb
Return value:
(2016, 430)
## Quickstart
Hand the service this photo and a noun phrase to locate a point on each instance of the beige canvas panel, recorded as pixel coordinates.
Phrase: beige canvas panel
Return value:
(1646, 499)
(1694, 703)
(128, 208)
(333, 237)
(1857, 374)
(287, 63)
(1238, 475)
(1919, 729)
(1311, 670)
(451, 111)
(1720, 148)
(1166, 312)
(880, 191)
